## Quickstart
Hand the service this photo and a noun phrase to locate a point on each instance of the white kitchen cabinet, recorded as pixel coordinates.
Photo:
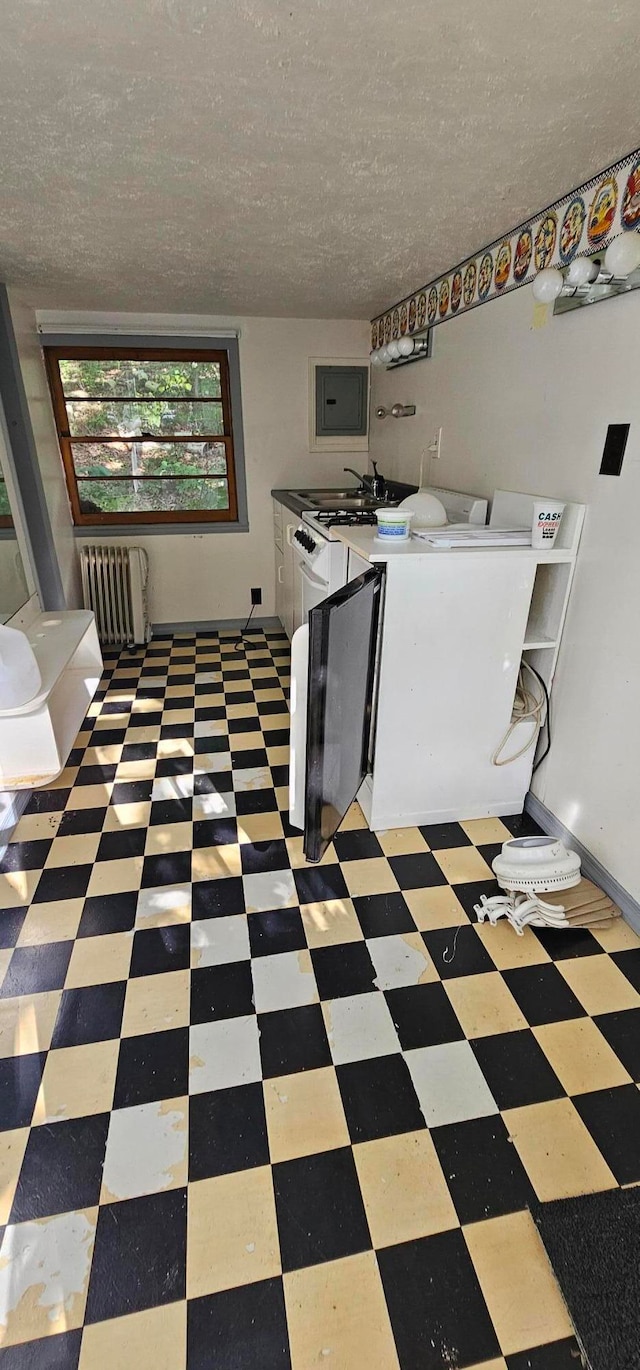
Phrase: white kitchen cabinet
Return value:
(287, 587)
(412, 698)
(456, 626)
(280, 590)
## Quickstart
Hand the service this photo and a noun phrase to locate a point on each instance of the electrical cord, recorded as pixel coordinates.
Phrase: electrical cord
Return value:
(547, 719)
(241, 642)
(527, 707)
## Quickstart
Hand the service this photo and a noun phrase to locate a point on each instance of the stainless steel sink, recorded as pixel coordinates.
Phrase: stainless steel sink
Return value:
(338, 499)
(328, 493)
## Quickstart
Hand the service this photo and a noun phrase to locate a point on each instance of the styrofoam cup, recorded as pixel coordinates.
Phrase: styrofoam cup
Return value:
(547, 515)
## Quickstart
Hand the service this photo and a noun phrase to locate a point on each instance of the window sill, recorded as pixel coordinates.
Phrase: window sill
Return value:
(143, 530)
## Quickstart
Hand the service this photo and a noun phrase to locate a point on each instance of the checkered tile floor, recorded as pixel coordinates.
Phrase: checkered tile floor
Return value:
(258, 1114)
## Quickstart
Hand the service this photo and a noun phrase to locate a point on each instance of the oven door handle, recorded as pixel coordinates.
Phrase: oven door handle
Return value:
(314, 581)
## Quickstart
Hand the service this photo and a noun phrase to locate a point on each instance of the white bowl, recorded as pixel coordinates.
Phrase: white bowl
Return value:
(428, 510)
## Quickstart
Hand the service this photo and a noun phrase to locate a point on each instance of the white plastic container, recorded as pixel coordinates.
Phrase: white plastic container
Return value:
(394, 525)
(20, 678)
(547, 516)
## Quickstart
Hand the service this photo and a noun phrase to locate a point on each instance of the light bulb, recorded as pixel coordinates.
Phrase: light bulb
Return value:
(406, 346)
(375, 358)
(623, 255)
(581, 271)
(547, 285)
(383, 354)
(393, 348)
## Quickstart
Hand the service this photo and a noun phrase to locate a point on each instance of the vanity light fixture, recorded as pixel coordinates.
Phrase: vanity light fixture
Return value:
(402, 350)
(548, 285)
(623, 256)
(589, 279)
(582, 271)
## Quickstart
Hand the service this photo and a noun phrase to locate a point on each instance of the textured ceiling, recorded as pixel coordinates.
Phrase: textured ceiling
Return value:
(315, 157)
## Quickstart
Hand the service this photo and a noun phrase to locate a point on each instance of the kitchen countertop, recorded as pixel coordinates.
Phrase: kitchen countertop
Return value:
(365, 542)
(292, 500)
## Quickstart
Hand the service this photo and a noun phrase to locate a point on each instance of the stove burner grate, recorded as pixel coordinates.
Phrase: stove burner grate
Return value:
(344, 517)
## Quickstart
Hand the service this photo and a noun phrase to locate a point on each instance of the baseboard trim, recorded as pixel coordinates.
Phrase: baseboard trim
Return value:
(212, 625)
(591, 867)
(12, 807)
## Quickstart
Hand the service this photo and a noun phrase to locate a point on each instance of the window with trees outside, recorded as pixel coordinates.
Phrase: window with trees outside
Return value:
(146, 435)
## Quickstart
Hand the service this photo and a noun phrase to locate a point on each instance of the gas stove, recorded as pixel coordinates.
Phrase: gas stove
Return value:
(323, 520)
(330, 518)
(316, 544)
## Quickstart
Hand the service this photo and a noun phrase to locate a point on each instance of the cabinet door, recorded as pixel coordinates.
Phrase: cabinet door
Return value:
(288, 576)
(341, 665)
(279, 513)
(297, 614)
(280, 593)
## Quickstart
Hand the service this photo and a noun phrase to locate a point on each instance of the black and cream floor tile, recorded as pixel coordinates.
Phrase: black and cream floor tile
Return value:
(258, 1115)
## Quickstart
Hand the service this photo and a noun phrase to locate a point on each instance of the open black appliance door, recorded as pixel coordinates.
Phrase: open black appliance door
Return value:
(342, 653)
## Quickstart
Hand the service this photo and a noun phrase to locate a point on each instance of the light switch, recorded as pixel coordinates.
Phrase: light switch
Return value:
(614, 449)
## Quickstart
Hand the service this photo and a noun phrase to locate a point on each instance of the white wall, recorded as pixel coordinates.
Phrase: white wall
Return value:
(527, 408)
(195, 577)
(44, 432)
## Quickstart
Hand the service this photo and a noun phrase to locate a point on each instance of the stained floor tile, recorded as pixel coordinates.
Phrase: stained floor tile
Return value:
(44, 1275)
(359, 1026)
(484, 1006)
(539, 1315)
(304, 1114)
(237, 1328)
(320, 1209)
(557, 1151)
(437, 1309)
(599, 985)
(482, 1169)
(580, 1056)
(233, 1233)
(153, 1339)
(146, 1149)
(449, 1083)
(337, 1312)
(404, 1190)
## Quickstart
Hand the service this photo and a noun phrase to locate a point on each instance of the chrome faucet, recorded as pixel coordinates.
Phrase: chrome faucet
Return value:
(374, 485)
(362, 480)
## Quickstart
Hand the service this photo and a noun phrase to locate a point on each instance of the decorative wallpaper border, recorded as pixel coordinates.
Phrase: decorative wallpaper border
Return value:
(577, 225)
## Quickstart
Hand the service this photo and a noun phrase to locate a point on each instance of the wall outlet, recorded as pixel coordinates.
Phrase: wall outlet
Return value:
(256, 595)
(435, 444)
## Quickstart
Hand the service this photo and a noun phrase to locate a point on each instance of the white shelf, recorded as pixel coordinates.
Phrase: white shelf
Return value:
(55, 640)
(35, 740)
(536, 642)
(548, 605)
